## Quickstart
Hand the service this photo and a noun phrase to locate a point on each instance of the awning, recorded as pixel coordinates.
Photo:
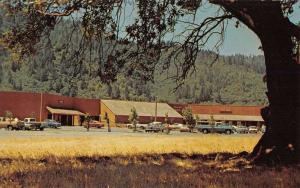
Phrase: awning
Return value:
(64, 111)
(230, 117)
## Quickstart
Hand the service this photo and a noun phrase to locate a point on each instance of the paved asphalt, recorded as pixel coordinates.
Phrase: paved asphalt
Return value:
(81, 131)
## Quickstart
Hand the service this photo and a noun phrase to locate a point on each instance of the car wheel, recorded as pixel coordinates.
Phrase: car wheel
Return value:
(228, 132)
(41, 128)
(9, 127)
(205, 131)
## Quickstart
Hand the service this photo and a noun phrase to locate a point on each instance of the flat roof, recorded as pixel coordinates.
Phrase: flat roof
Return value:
(64, 111)
(119, 107)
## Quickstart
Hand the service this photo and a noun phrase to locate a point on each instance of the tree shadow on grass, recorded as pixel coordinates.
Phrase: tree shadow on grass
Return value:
(157, 170)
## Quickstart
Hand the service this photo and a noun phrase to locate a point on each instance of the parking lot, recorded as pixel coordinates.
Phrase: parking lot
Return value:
(81, 131)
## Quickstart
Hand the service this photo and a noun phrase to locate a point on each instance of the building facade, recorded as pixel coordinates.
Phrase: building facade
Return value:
(236, 115)
(70, 110)
(67, 110)
(118, 112)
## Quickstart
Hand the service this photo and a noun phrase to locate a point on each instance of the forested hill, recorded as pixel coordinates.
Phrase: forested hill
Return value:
(230, 80)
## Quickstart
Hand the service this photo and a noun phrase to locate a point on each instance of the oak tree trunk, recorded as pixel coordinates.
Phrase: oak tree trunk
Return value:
(281, 141)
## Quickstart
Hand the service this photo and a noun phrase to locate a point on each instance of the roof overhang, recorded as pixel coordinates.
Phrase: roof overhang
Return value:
(219, 117)
(144, 109)
(64, 111)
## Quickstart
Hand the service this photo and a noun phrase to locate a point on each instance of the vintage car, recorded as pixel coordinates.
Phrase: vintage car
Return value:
(138, 126)
(185, 128)
(155, 127)
(253, 129)
(216, 128)
(241, 129)
(26, 124)
(50, 123)
(7, 123)
(94, 124)
(176, 126)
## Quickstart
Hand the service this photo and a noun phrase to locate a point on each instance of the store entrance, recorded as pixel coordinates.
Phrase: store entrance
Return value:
(66, 120)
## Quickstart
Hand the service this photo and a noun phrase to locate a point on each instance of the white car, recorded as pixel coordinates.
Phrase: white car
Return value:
(138, 126)
(176, 126)
(253, 129)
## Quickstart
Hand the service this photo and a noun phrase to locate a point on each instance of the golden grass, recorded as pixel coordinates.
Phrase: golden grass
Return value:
(134, 161)
(107, 145)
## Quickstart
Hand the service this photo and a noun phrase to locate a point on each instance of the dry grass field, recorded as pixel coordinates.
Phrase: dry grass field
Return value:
(136, 160)
(38, 147)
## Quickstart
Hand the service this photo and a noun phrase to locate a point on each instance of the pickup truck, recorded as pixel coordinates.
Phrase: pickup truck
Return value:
(29, 124)
(6, 123)
(216, 128)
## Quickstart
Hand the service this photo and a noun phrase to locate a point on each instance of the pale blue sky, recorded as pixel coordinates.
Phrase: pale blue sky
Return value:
(239, 40)
(243, 41)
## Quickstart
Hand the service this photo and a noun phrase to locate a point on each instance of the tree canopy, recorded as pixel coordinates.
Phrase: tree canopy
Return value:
(147, 32)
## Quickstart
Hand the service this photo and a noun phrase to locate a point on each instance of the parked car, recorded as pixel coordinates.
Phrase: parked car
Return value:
(185, 128)
(50, 123)
(141, 126)
(253, 129)
(263, 129)
(27, 124)
(138, 126)
(3, 122)
(216, 128)
(176, 126)
(8, 123)
(241, 129)
(155, 127)
(95, 124)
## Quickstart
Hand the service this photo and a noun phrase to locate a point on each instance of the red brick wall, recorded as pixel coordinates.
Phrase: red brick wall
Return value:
(22, 104)
(91, 106)
(225, 109)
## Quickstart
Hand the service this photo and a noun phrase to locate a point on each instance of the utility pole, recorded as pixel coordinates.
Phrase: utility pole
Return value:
(155, 108)
(41, 107)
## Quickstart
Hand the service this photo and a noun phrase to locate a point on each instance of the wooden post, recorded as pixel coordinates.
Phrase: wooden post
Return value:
(107, 122)
(108, 125)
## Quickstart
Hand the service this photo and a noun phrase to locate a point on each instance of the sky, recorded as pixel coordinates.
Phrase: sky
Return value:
(243, 41)
(239, 40)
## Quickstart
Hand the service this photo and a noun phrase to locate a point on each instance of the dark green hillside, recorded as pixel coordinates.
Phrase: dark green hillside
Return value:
(55, 69)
